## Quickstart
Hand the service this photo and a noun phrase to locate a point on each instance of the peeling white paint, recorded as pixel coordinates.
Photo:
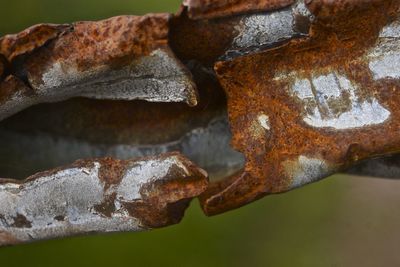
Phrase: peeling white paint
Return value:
(305, 170)
(317, 94)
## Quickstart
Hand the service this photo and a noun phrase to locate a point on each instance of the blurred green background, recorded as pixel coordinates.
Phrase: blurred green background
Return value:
(341, 221)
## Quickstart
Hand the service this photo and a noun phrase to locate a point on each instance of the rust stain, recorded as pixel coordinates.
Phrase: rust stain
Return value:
(20, 221)
(112, 42)
(165, 201)
(12, 86)
(209, 9)
(8, 239)
(291, 149)
(14, 45)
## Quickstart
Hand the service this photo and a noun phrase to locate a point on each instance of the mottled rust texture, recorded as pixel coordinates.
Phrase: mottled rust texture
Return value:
(112, 42)
(164, 202)
(12, 86)
(337, 43)
(14, 45)
(137, 195)
(208, 9)
(202, 40)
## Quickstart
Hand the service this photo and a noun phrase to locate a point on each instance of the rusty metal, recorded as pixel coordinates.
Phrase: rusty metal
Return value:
(125, 57)
(313, 106)
(101, 195)
(209, 9)
(308, 88)
(14, 45)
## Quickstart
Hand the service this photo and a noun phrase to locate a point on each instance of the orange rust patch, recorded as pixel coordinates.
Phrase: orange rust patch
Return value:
(337, 42)
(112, 42)
(14, 45)
(165, 201)
(111, 171)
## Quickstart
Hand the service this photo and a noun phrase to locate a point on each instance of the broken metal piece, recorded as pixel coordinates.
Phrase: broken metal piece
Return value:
(314, 106)
(124, 57)
(211, 9)
(101, 195)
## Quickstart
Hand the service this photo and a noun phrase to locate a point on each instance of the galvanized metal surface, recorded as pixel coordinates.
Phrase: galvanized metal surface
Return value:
(102, 195)
(311, 87)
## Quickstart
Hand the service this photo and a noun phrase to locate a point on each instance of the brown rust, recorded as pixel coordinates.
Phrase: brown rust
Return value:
(112, 42)
(209, 9)
(151, 192)
(20, 221)
(164, 202)
(12, 86)
(8, 239)
(337, 43)
(202, 40)
(14, 45)
(2, 66)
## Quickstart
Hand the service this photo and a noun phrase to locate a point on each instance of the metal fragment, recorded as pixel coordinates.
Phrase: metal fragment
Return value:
(101, 195)
(326, 108)
(124, 57)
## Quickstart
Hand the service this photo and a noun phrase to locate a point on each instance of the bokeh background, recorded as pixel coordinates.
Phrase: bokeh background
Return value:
(341, 221)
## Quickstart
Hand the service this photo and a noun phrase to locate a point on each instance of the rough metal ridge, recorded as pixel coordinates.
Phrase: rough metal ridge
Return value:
(125, 57)
(100, 195)
(304, 89)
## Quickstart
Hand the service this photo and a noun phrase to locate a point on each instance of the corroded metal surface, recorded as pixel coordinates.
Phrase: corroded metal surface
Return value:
(124, 57)
(312, 87)
(102, 195)
(14, 45)
(314, 106)
(207, 9)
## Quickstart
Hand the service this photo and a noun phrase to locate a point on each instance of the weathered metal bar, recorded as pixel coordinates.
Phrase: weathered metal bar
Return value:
(102, 195)
(124, 57)
(313, 106)
(312, 88)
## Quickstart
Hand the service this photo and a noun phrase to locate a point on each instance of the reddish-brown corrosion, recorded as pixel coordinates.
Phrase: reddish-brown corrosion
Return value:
(116, 195)
(202, 40)
(28, 40)
(208, 9)
(337, 43)
(112, 42)
(2, 67)
(164, 202)
(11, 86)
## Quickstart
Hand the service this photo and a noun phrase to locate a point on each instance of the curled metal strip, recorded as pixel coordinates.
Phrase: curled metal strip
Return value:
(101, 195)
